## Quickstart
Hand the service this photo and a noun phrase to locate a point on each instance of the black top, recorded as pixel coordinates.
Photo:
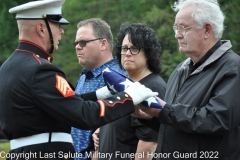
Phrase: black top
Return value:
(123, 135)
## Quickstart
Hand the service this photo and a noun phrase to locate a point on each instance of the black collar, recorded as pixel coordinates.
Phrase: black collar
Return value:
(38, 51)
(205, 57)
(88, 74)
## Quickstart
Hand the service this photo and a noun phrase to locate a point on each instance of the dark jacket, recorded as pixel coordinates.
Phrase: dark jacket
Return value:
(202, 115)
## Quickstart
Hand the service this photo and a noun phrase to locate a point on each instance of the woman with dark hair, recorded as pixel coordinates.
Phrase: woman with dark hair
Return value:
(138, 52)
(141, 39)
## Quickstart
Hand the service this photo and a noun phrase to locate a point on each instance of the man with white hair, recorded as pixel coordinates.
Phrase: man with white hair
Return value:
(200, 118)
(37, 104)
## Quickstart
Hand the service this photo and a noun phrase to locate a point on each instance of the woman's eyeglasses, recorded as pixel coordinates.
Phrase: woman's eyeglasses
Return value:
(133, 50)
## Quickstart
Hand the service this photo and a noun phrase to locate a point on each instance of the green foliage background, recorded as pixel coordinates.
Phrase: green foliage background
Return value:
(4, 148)
(157, 14)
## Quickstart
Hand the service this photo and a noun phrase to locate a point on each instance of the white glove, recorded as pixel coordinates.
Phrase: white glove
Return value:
(139, 92)
(103, 93)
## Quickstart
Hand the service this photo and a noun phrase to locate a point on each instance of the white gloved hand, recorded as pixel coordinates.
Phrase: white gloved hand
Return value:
(139, 92)
(103, 93)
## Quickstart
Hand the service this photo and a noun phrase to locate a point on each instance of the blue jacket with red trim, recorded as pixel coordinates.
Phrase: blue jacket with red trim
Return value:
(35, 97)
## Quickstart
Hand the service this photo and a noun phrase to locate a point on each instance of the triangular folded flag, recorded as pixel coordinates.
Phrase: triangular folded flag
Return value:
(117, 82)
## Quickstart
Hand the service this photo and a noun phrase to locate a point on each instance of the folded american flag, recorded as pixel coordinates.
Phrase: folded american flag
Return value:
(116, 82)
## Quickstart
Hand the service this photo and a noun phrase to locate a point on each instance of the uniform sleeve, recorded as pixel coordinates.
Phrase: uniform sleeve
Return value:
(89, 96)
(53, 95)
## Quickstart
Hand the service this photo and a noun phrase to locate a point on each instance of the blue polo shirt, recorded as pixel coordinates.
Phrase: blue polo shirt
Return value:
(90, 81)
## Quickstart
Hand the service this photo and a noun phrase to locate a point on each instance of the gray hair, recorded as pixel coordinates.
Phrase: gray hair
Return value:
(206, 11)
(101, 29)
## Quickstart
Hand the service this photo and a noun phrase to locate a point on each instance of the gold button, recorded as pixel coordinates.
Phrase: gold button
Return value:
(118, 98)
(126, 95)
(44, 16)
(49, 58)
(37, 55)
(110, 102)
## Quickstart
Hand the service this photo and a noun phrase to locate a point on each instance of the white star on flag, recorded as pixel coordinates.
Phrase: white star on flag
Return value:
(151, 100)
(112, 87)
(126, 83)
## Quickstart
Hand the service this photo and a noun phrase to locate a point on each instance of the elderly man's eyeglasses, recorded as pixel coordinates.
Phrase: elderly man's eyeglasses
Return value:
(181, 29)
(83, 43)
(133, 50)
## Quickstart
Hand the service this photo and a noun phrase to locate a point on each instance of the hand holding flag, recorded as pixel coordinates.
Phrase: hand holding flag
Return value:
(117, 82)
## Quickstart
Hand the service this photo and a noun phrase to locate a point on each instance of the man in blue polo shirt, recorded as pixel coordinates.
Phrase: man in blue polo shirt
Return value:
(93, 44)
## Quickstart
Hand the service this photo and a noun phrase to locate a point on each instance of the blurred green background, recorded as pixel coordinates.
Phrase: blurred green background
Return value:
(4, 148)
(157, 14)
